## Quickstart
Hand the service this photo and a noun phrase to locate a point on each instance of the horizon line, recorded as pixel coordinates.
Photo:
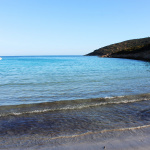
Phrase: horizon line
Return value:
(35, 55)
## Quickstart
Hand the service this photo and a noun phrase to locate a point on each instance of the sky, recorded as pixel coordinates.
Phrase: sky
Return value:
(69, 27)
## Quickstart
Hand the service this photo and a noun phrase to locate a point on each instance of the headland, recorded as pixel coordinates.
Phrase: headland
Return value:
(131, 49)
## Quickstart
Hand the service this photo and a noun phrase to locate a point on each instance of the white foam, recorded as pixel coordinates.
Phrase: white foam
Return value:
(79, 106)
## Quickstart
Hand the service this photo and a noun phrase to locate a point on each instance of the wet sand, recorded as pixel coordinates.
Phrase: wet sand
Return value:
(121, 123)
(126, 139)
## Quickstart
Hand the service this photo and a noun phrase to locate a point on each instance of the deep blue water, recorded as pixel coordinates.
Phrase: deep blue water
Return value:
(36, 79)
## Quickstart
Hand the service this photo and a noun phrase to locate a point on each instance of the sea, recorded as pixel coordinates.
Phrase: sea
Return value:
(62, 98)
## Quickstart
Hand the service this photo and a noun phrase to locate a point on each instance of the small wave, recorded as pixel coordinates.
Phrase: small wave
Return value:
(109, 97)
(69, 104)
(103, 131)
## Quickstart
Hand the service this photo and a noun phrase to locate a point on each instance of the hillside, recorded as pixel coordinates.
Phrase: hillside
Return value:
(134, 49)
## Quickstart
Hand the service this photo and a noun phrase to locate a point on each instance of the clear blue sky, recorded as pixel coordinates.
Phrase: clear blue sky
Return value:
(69, 27)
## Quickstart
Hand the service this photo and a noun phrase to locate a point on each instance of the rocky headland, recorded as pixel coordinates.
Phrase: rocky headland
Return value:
(132, 49)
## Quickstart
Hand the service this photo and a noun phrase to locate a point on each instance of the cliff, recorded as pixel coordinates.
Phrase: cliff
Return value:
(133, 49)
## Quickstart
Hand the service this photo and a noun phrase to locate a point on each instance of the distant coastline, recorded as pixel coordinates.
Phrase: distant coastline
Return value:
(131, 49)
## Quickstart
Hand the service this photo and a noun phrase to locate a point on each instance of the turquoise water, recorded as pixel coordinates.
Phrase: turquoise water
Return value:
(25, 80)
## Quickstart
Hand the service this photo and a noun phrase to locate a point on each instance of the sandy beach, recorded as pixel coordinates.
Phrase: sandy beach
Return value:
(124, 139)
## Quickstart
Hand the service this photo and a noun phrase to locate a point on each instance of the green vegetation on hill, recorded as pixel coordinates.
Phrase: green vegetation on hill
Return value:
(135, 49)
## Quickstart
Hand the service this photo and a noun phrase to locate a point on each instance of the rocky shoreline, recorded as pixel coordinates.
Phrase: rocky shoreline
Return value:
(132, 49)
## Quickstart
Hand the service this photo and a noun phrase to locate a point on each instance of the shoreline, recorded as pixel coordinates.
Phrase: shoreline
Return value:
(88, 128)
(134, 138)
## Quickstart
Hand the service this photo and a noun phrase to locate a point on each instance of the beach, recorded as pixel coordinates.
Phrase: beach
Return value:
(74, 75)
(110, 123)
(98, 103)
(123, 139)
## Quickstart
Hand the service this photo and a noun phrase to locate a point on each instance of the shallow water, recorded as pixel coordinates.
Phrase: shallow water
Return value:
(75, 117)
